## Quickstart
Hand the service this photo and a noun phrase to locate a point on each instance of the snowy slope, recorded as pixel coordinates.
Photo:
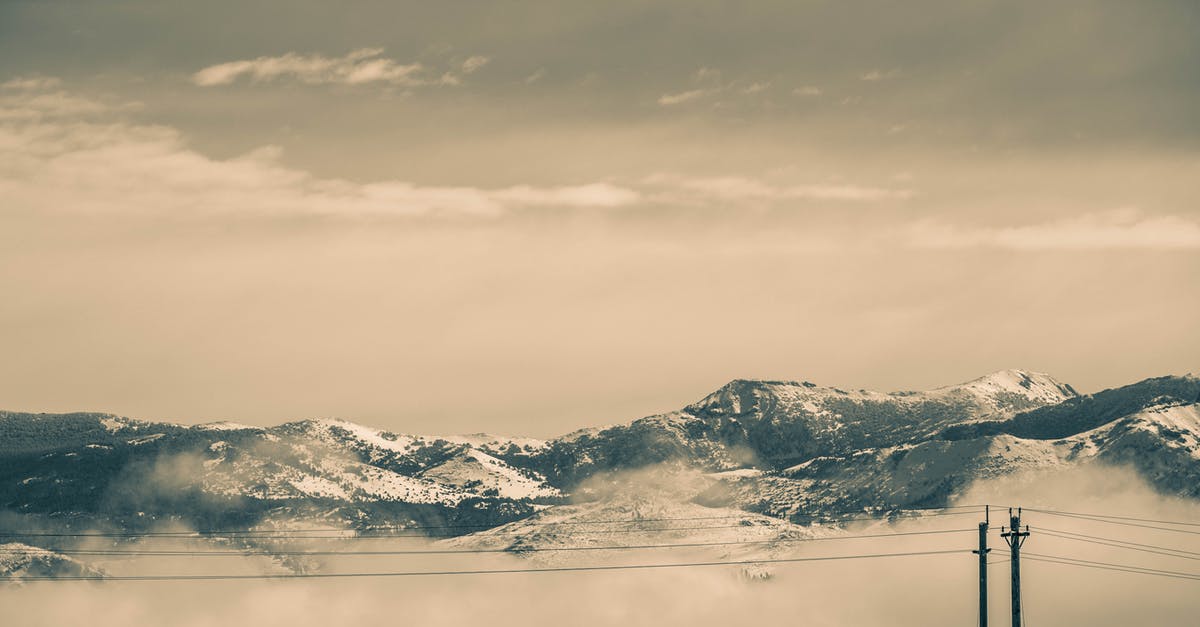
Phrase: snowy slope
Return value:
(776, 424)
(477, 471)
(641, 522)
(18, 561)
(340, 460)
(1012, 389)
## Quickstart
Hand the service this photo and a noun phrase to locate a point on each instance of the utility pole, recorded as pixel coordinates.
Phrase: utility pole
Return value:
(1015, 539)
(983, 553)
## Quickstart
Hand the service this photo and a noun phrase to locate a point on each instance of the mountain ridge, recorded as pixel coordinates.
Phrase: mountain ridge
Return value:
(231, 424)
(785, 449)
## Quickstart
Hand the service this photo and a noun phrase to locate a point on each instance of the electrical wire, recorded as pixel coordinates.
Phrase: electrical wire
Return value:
(290, 533)
(361, 529)
(517, 550)
(378, 536)
(556, 569)
(1125, 523)
(1135, 519)
(1070, 561)
(1121, 544)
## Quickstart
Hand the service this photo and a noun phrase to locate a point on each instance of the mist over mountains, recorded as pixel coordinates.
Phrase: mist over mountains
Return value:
(779, 453)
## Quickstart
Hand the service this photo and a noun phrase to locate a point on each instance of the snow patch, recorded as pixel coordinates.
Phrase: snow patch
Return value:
(481, 473)
(492, 441)
(145, 438)
(225, 425)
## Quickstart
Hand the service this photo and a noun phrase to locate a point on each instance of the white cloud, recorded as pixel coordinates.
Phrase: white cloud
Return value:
(39, 98)
(55, 158)
(474, 63)
(709, 82)
(1124, 229)
(31, 82)
(60, 152)
(807, 90)
(878, 75)
(736, 188)
(590, 195)
(363, 66)
(668, 100)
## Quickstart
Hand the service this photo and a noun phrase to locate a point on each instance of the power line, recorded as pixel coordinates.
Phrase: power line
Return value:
(1070, 561)
(933, 512)
(107, 552)
(378, 536)
(289, 533)
(185, 534)
(1121, 544)
(1118, 522)
(1115, 565)
(1145, 520)
(557, 569)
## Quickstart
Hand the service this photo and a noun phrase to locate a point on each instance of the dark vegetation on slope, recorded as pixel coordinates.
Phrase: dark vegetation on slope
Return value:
(64, 468)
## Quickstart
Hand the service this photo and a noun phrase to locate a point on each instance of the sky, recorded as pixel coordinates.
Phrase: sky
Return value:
(528, 217)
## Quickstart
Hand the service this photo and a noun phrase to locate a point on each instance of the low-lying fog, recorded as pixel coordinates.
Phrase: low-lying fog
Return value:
(919, 590)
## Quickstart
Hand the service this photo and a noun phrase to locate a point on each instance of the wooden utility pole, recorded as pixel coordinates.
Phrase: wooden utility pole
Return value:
(983, 585)
(1015, 538)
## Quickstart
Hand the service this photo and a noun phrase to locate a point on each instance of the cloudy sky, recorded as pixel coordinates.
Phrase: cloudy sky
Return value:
(531, 217)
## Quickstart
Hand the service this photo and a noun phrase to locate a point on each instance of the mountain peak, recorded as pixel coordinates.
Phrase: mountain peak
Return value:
(1033, 385)
(741, 395)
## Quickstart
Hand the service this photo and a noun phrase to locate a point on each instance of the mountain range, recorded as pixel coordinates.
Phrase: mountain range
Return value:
(775, 452)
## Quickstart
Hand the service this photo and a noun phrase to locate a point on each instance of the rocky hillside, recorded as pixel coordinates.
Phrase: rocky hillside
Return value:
(785, 449)
(773, 425)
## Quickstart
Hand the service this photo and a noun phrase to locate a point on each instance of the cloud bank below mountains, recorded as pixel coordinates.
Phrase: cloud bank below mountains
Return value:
(852, 592)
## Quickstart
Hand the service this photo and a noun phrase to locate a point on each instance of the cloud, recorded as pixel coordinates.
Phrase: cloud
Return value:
(668, 100)
(833, 592)
(474, 63)
(61, 153)
(707, 74)
(38, 97)
(807, 90)
(359, 67)
(1123, 229)
(590, 195)
(710, 82)
(737, 188)
(877, 75)
(31, 82)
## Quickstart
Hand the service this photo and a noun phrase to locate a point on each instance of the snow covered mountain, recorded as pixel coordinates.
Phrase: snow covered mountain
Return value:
(789, 451)
(777, 424)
